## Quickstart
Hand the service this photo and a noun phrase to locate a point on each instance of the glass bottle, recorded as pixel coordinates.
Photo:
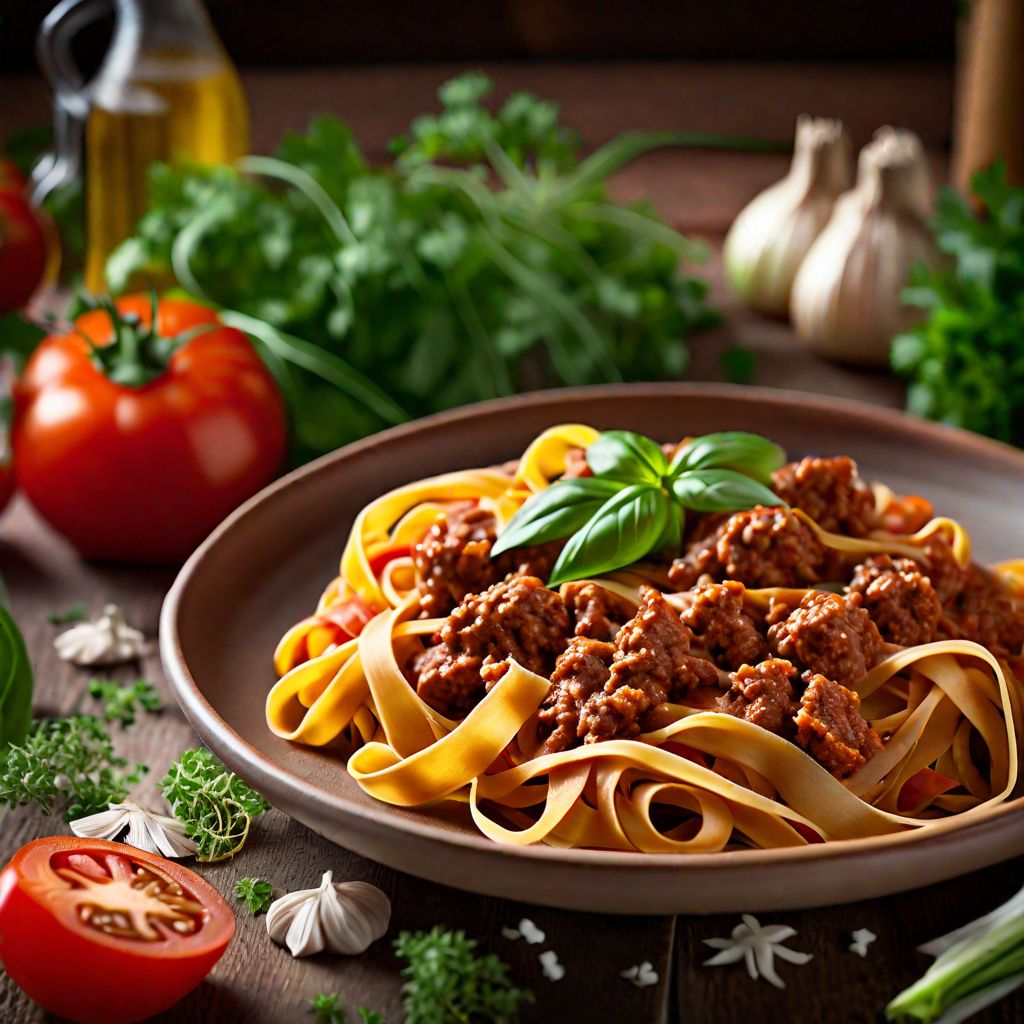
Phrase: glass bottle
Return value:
(166, 91)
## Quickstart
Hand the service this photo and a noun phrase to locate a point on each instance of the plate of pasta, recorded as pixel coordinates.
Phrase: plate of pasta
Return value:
(645, 649)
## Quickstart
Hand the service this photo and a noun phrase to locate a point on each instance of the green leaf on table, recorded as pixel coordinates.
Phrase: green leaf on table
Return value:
(749, 454)
(624, 529)
(720, 490)
(555, 512)
(122, 701)
(74, 613)
(256, 893)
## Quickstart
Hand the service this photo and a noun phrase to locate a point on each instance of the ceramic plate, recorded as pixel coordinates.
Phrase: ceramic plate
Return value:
(265, 566)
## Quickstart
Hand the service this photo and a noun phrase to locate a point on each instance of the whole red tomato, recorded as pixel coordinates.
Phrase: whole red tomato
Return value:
(136, 448)
(103, 933)
(22, 251)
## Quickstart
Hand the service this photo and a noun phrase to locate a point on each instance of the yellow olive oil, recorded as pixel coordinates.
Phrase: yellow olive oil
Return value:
(170, 108)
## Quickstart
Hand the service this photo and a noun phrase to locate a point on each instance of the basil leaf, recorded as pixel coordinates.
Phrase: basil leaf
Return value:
(555, 512)
(15, 683)
(624, 529)
(623, 455)
(732, 449)
(720, 490)
(671, 539)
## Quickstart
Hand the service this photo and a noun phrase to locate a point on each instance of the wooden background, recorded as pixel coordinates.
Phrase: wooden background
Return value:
(256, 981)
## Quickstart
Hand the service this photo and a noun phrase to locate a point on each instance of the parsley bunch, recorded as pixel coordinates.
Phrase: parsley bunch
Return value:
(488, 259)
(448, 981)
(966, 360)
(214, 804)
(66, 763)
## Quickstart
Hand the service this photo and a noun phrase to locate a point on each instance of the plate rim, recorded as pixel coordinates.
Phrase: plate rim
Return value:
(262, 770)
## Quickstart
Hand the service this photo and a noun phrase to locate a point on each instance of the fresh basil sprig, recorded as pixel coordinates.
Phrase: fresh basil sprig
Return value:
(636, 500)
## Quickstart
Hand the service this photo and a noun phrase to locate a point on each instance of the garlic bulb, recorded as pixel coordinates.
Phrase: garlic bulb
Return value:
(342, 918)
(142, 828)
(771, 236)
(846, 297)
(108, 640)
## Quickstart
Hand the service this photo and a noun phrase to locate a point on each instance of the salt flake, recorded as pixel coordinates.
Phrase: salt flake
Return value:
(529, 931)
(757, 947)
(862, 938)
(553, 970)
(641, 975)
(511, 933)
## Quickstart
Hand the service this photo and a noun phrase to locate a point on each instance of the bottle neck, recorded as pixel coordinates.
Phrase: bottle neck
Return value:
(164, 26)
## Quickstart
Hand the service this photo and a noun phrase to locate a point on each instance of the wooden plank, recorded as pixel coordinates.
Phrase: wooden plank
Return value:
(838, 985)
(257, 981)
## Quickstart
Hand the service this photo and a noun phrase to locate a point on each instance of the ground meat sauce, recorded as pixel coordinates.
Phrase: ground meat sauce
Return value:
(830, 727)
(721, 627)
(943, 570)
(596, 613)
(830, 492)
(763, 694)
(827, 633)
(901, 601)
(649, 665)
(988, 612)
(762, 547)
(518, 618)
(454, 559)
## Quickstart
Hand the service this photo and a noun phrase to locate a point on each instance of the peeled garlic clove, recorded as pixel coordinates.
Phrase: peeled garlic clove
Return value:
(846, 297)
(341, 918)
(771, 236)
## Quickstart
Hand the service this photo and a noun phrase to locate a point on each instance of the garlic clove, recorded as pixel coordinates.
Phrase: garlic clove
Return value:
(846, 297)
(107, 640)
(771, 236)
(140, 827)
(345, 918)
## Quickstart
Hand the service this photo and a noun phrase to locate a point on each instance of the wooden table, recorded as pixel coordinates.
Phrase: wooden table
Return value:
(259, 982)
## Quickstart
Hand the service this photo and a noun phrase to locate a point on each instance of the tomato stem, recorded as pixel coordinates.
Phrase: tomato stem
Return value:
(138, 354)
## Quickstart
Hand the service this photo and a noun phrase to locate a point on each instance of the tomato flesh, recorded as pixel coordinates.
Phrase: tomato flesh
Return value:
(102, 932)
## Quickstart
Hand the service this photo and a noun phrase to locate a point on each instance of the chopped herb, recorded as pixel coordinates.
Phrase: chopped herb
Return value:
(66, 763)
(448, 981)
(256, 893)
(739, 364)
(76, 613)
(214, 804)
(328, 1008)
(121, 702)
(369, 1016)
(636, 501)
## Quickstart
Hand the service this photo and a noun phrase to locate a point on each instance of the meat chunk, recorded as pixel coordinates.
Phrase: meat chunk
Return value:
(761, 547)
(830, 727)
(944, 572)
(721, 627)
(830, 492)
(650, 666)
(989, 612)
(518, 618)
(454, 559)
(580, 672)
(900, 600)
(829, 634)
(597, 613)
(763, 694)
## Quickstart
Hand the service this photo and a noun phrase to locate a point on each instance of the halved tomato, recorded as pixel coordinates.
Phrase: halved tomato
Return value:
(103, 933)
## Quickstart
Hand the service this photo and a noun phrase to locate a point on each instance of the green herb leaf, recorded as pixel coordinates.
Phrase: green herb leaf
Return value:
(369, 1016)
(66, 763)
(214, 804)
(624, 529)
(120, 703)
(555, 512)
(720, 490)
(76, 613)
(328, 1008)
(623, 455)
(739, 364)
(15, 683)
(750, 454)
(447, 981)
(256, 893)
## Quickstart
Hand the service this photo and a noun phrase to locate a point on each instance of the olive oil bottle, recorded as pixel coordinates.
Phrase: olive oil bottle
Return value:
(166, 91)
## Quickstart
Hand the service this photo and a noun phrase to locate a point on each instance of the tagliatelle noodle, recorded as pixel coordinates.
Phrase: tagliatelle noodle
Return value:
(753, 786)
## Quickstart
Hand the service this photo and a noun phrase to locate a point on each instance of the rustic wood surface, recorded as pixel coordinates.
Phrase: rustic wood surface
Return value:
(259, 982)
